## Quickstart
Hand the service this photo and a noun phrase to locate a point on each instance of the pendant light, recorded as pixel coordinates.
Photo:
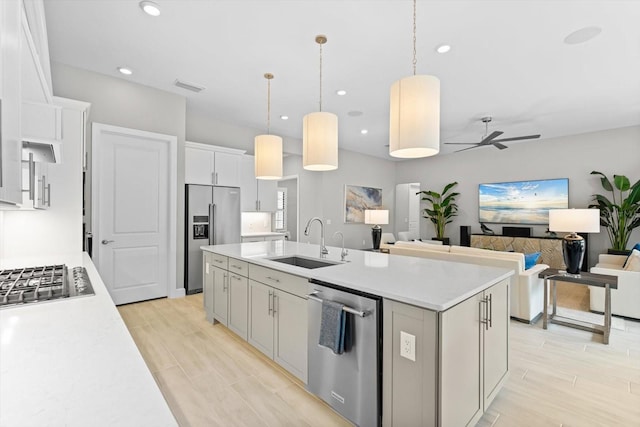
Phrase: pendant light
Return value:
(414, 129)
(320, 133)
(268, 148)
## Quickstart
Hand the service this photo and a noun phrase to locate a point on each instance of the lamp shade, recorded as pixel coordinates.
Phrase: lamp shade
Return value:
(414, 129)
(574, 220)
(268, 157)
(320, 141)
(377, 216)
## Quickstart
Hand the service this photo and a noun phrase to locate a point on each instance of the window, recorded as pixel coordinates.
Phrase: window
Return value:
(281, 210)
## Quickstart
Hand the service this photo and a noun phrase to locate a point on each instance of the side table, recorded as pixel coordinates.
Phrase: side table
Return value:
(588, 279)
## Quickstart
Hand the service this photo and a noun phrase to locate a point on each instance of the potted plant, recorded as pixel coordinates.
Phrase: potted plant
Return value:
(620, 214)
(442, 209)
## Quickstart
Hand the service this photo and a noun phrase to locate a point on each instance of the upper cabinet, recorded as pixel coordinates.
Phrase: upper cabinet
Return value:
(34, 85)
(257, 194)
(10, 140)
(211, 165)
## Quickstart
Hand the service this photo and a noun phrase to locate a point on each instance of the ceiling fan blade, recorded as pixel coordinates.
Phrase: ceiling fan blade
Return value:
(461, 143)
(498, 145)
(518, 138)
(493, 135)
(468, 148)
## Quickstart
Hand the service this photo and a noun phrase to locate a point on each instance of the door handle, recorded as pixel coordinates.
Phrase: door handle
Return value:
(106, 242)
(490, 310)
(49, 195)
(270, 309)
(484, 319)
(275, 300)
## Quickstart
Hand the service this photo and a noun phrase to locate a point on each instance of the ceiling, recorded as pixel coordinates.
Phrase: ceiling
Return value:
(508, 60)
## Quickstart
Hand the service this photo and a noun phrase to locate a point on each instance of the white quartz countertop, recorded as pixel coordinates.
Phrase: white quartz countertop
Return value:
(263, 234)
(72, 362)
(431, 284)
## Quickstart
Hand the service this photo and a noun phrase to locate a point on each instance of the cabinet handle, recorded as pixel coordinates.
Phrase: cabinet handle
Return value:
(257, 208)
(237, 267)
(225, 282)
(216, 178)
(275, 299)
(32, 178)
(49, 195)
(238, 278)
(213, 178)
(490, 309)
(44, 191)
(484, 318)
(269, 304)
(219, 261)
(274, 279)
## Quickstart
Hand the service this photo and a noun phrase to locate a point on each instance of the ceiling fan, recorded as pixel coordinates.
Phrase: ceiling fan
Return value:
(491, 139)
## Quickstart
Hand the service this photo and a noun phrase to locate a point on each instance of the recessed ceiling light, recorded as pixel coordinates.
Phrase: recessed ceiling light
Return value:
(443, 48)
(364, 131)
(582, 35)
(283, 117)
(341, 92)
(150, 8)
(125, 71)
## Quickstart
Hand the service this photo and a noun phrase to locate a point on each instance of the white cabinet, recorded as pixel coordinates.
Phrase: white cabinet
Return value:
(207, 285)
(10, 142)
(248, 239)
(220, 295)
(278, 318)
(461, 360)
(36, 191)
(238, 295)
(212, 165)
(257, 194)
(41, 121)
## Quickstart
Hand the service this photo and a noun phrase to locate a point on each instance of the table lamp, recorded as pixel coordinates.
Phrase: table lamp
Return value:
(574, 221)
(376, 217)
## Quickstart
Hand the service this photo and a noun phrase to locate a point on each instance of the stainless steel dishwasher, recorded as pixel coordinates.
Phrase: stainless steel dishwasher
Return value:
(351, 382)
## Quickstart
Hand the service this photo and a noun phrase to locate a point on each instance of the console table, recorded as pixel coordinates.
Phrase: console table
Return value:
(588, 279)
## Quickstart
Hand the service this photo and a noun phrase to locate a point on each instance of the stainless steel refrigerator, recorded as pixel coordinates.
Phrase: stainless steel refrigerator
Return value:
(212, 217)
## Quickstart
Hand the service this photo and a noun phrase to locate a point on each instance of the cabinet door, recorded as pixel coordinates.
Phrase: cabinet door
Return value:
(461, 400)
(290, 346)
(36, 190)
(238, 304)
(496, 341)
(41, 121)
(207, 285)
(198, 166)
(226, 169)
(220, 295)
(248, 184)
(261, 317)
(267, 197)
(10, 141)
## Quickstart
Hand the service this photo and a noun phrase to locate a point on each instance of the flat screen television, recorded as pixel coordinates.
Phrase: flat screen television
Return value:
(522, 202)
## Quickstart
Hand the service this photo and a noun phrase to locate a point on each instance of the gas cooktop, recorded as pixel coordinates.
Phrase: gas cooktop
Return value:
(39, 284)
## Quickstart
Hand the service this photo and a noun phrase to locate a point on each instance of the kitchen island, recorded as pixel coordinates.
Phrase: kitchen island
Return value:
(72, 362)
(456, 314)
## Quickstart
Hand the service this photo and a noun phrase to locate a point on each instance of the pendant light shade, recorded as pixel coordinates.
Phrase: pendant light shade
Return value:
(414, 125)
(268, 148)
(268, 157)
(320, 141)
(414, 129)
(320, 133)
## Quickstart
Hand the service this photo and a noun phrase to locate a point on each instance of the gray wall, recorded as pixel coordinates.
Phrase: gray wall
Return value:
(574, 157)
(292, 206)
(122, 103)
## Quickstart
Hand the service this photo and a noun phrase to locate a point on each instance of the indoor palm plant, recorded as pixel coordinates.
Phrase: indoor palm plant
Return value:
(442, 209)
(620, 214)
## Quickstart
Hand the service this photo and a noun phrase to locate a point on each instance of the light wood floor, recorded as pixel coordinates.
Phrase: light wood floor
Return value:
(210, 377)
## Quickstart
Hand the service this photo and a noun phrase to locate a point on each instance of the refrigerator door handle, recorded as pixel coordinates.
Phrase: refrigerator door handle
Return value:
(211, 224)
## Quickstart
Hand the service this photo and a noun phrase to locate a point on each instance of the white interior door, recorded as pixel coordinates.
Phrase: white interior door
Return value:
(134, 196)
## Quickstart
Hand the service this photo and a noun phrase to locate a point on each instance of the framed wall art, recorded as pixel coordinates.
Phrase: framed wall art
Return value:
(357, 199)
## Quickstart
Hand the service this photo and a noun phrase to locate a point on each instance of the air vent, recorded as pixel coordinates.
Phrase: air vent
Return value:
(189, 86)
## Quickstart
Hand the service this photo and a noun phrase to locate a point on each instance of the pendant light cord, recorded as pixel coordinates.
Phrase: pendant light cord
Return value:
(268, 106)
(320, 77)
(415, 61)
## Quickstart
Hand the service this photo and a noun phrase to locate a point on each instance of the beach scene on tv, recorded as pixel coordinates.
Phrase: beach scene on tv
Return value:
(522, 202)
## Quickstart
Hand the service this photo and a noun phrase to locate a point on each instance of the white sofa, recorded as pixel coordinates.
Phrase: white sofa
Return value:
(625, 301)
(527, 290)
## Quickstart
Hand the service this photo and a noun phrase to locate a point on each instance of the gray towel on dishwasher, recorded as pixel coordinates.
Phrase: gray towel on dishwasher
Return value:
(332, 326)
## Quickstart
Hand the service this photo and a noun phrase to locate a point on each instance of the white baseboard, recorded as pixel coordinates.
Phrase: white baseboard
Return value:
(177, 293)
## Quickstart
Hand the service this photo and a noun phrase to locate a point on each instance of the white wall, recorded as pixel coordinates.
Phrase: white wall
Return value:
(614, 151)
(120, 102)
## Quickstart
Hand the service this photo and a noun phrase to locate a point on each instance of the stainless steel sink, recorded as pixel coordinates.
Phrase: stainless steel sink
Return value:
(304, 262)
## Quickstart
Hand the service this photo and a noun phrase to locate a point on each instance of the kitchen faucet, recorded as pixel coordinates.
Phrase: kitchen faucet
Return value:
(323, 248)
(344, 252)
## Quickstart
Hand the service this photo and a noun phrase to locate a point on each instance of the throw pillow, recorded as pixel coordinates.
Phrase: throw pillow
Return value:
(636, 247)
(633, 262)
(531, 259)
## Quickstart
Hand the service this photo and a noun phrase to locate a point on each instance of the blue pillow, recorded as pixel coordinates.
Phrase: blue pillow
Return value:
(636, 247)
(530, 260)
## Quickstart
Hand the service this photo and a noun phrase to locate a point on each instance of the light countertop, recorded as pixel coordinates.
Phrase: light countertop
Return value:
(72, 362)
(431, 284)
(263, 234)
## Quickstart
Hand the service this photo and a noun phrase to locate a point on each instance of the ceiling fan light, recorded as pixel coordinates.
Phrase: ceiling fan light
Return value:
(414, 129)
(268, 157)
(320, 141)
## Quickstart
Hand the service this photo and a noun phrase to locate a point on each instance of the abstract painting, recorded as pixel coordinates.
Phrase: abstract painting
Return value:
(358, 199)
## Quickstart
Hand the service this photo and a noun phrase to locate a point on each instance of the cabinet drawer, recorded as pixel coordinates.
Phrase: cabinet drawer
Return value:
(238, 267)
(219, 261)
(286, 282)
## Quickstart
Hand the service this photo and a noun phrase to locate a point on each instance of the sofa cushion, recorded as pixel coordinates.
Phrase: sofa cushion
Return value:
(636, 247)
(416, 244)
(633, 262)
(531, 259)
(488, 253)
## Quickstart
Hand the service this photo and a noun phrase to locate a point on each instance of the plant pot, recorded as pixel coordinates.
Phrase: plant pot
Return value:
(625, 252)
(444, 240)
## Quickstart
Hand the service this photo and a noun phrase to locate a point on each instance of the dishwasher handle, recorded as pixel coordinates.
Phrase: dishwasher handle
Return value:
(312, 296)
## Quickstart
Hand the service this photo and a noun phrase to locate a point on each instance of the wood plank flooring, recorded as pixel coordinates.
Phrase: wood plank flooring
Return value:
(210, 377)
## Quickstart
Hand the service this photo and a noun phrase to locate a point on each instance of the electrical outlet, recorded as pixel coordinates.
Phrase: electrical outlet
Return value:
(363, 242)
(328, 222)
(408, 346)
